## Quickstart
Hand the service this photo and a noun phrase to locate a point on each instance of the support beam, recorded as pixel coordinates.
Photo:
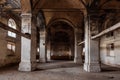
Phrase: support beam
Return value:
(81, 43)
(114, 27)
(6, 27)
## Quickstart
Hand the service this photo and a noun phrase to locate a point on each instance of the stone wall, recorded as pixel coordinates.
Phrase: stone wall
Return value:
(6, 56)
(110, 49)
(61, 51)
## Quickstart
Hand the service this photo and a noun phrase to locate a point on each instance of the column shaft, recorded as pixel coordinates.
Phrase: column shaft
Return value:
(42, 47)
(78, 49)
(91, 50)
(27, 62)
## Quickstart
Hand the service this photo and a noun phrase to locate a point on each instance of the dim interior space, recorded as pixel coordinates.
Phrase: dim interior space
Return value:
(60, 39)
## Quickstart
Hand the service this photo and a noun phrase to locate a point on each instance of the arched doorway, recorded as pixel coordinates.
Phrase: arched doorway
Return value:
(60, 41)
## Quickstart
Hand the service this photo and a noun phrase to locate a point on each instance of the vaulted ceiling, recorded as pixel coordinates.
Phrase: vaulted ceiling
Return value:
(62, 4)
(73, 10)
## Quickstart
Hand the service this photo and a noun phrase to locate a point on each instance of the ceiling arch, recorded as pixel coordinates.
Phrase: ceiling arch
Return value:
(75, 17)
(61, 20)
(111, 4)
(58, 4)
(60, 25)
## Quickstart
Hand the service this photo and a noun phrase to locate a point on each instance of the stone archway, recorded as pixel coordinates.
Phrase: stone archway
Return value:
(60, 40)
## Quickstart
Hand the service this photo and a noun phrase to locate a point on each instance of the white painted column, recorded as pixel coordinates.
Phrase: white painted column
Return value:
(43, 46)
(78, 49)
(26, 64)
(91, 50)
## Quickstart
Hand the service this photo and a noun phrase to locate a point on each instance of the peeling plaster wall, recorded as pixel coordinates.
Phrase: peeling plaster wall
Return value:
(5, 59)
(113, 60)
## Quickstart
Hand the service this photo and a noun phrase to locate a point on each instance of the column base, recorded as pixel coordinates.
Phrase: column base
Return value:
(92, 67)
(43, 60)
(27, 66)
(48, 60)
(77, 60)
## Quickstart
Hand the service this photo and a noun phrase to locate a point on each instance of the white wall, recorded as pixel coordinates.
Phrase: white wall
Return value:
(110, 60)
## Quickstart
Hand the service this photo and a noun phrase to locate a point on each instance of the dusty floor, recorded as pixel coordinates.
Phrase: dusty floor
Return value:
(66, 70)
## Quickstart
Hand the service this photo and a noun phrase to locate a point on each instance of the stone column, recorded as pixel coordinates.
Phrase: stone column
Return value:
(26, 63)
(18, 46)
(78, 49)
(91, 50)
(34, 45)
(43, 46)
(48, 51)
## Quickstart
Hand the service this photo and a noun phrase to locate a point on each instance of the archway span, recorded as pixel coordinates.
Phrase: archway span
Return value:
(61, 20)
(60, 39)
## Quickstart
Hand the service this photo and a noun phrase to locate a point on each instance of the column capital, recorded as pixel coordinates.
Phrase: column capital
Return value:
(26, 22)
(26, 15)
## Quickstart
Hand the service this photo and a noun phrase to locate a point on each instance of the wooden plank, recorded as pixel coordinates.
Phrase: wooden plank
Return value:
(81, 43)
(6, 27)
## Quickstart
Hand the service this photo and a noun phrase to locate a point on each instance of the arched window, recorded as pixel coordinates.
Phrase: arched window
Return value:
(12, 24)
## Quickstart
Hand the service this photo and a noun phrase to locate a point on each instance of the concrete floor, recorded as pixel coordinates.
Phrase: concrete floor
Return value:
(59, 70)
